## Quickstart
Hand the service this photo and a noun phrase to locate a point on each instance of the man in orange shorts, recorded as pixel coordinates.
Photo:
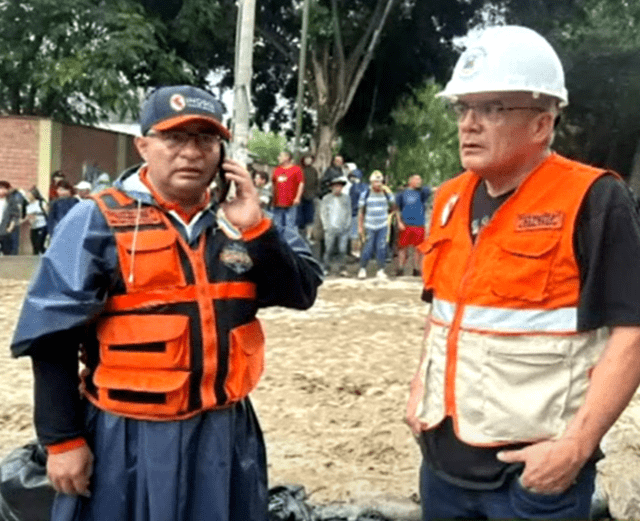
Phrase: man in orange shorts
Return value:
(411, 204)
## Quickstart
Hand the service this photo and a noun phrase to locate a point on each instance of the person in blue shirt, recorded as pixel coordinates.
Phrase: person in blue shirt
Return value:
(373, 223)
(355, 190)
(411, 214)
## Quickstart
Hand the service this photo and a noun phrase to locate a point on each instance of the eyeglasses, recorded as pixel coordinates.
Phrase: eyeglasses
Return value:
(489, 111)
(180, 138)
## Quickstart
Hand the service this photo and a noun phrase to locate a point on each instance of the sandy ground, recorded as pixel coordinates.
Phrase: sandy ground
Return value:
(331, 400)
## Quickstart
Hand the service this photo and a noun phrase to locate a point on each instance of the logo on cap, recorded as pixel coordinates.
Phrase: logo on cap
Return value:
(177, 102)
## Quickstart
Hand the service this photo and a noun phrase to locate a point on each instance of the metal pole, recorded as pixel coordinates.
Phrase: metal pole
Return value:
(242, 81)
(302, 63)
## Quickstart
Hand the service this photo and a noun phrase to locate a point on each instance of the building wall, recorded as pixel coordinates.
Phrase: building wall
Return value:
(19, 150)
(87, 146)
(32, 148)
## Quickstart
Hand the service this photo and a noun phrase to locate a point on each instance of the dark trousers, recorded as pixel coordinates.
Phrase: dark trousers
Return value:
(6, 244)
(442, 500)
(38, 236)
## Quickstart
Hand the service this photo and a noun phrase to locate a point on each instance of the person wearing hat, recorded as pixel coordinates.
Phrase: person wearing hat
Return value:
(156, 287)
(83, 189)
(335, 214)
(374, 206)
(533, 337)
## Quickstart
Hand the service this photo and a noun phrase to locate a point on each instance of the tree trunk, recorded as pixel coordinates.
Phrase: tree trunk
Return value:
(325, 135)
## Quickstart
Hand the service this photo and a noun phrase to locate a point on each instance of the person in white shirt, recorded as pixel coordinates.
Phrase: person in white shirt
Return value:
(36, 214)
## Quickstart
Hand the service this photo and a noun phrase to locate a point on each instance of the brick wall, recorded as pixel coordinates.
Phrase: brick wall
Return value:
(28, 158)
(19, 150)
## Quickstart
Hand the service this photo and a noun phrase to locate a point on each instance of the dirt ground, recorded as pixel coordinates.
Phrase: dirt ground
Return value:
(331, 400)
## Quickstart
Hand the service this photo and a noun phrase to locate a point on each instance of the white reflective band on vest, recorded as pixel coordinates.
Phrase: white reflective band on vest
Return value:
(442, 310)
(563, 320)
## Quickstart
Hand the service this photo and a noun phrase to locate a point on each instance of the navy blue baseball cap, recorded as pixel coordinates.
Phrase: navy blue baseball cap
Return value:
(169, 107)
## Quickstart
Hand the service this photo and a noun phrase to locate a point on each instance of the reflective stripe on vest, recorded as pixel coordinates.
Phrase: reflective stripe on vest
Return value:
(483, 318)
(163, 354)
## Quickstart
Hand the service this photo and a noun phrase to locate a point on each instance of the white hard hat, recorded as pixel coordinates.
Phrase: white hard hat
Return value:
(83, 185)
(508, 59)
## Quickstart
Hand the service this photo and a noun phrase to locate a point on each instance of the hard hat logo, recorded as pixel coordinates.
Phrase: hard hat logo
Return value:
(472, 61)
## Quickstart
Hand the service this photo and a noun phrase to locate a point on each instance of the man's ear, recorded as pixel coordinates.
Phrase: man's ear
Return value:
(543, 127)
(141, 144)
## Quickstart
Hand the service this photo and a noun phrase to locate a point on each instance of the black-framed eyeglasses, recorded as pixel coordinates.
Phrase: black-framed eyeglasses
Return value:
(490, 111)
(180, 138)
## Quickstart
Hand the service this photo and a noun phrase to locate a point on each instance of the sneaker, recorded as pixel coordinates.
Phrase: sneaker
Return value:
(362, 273)
(381, 275)
(343, 272)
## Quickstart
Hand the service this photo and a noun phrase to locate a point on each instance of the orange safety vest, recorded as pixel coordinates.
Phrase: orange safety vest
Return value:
(504, 356)
(180, 336)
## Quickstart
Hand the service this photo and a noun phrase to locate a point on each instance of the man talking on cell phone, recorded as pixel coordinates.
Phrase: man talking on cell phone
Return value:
(155, 288)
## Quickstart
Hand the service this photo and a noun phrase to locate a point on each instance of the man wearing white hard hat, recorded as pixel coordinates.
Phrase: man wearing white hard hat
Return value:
(533, 336)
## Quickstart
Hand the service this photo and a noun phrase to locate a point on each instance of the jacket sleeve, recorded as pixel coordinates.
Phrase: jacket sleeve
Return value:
(67, 291)
(69, 287)
(285, 272)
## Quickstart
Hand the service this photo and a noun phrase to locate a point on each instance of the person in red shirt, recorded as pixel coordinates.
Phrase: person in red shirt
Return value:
(288, 185)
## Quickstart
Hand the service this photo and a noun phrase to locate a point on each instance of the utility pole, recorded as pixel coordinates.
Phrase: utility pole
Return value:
(302, 64)
(242, 79)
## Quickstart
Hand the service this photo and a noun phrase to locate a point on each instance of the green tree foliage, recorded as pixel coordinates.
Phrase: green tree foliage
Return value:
(425, 137)
(602, 64)
(80, 60)
(416, 45)
(343, 36)
(599, 45)
(264, 147)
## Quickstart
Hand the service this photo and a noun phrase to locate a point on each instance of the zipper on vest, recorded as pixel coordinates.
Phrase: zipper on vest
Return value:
(452, 337)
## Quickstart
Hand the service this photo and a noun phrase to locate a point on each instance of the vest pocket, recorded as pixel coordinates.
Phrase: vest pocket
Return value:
(145, 341)
(523, 267)
(151, 261)
(246, 359)
(525, 384)
(157, 394)
(144, 365)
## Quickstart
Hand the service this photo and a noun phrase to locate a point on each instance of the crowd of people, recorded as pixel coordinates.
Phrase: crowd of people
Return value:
(349, 219)
(18, 206)
(530, 350)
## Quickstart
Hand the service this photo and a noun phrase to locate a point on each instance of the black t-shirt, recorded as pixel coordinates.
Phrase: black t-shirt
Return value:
(607, 245)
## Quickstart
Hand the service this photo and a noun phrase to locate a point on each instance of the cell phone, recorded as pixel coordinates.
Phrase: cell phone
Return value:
(222, 183)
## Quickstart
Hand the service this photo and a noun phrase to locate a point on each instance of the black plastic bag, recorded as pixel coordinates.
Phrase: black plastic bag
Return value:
(287, 503)
(25, 491)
